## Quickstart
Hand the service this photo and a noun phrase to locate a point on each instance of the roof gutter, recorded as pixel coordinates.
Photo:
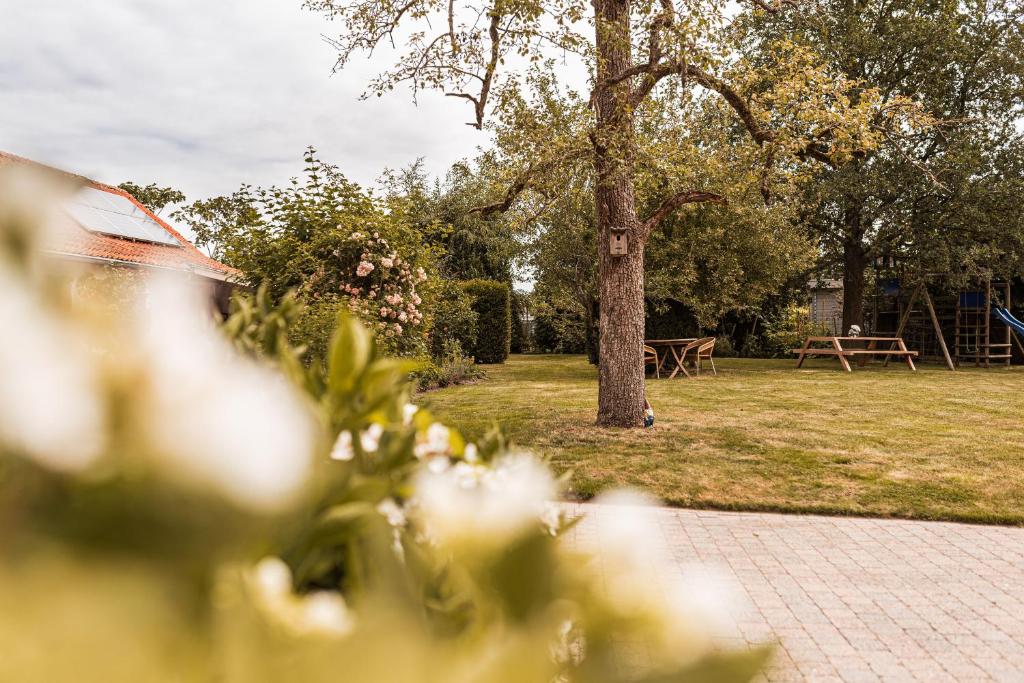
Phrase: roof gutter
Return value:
(205, 273)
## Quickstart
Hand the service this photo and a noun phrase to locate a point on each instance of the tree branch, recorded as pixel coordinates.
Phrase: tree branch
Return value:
(674, 202)
(485, 87)
(774, 7)
(518, 186)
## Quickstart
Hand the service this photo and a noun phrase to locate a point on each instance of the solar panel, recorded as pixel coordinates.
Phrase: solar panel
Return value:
(112, 214)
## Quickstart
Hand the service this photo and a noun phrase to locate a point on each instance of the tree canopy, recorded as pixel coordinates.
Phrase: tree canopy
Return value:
(937, 199)
(152, 196)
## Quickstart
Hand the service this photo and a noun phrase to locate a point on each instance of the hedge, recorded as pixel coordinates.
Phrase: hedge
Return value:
(492, 303)
(518, 333)
(453, 320)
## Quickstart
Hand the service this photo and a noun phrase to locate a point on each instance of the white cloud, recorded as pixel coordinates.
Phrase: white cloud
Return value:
(203, 95)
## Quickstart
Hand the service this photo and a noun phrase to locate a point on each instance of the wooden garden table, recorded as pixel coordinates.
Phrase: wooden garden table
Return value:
(673, 348)
(835, 348)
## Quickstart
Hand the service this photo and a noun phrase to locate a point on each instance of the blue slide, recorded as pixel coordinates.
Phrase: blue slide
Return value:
(1014, 324)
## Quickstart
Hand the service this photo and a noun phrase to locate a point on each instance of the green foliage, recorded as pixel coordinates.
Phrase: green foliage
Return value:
(446, 214)
(559, 330)
(491, 302)
(724, 347)
(328, 240)
(314, 326)
(518, 342)
(789, 329)
(153, 197)
(448, 368)
(453, 319)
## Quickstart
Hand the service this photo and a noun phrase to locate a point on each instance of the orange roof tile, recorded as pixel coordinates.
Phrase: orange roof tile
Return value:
(77, 241)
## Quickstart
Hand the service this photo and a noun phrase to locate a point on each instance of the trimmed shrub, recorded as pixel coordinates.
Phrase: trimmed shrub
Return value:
(453, 320)
(492, 303)
(519, 341)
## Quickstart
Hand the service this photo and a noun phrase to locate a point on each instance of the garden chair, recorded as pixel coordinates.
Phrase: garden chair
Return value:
(651, 358)
(705, 348)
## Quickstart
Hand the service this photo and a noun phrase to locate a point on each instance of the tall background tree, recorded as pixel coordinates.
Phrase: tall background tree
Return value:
(939, 198)
(686, 50)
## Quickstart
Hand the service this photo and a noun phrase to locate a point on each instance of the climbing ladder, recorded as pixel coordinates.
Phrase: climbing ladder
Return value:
(976, 339)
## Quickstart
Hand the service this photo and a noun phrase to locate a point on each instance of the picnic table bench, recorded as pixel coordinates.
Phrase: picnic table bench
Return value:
(896, 349)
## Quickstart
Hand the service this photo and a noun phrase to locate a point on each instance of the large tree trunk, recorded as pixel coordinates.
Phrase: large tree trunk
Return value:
(621, 369)
(854, 265)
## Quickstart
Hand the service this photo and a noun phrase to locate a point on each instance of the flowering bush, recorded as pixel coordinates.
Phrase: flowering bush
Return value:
(186, 503)
(381, 290)
(332, 243)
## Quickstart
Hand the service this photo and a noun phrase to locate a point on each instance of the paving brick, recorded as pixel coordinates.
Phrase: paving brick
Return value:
(855, 599)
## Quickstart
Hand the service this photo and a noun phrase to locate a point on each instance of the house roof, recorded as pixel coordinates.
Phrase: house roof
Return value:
(78, 242)
(825, 283)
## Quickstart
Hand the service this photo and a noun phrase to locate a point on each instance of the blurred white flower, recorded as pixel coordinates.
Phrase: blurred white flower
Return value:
(319, 613)
(436, 441)
(409, 411)
(370, 439)
(551, 517)
(473, 504)
(392, 512)
(395, 515)
(273, 578)
(214, 415)
(685, 612)
(343, 447)
(324, 612)
(471, 454)
(50, 407)
(438, 463)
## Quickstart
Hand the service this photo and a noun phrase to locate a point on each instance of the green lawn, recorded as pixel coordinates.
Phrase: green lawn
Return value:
(765, 436)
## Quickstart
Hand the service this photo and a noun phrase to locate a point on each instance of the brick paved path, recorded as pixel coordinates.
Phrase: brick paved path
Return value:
(859, 599)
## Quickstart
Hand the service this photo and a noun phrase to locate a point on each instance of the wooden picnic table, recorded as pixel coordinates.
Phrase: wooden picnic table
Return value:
(896, 348)
(671, 348)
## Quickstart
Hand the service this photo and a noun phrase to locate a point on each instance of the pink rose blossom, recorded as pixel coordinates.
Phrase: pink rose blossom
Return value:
(364, 269)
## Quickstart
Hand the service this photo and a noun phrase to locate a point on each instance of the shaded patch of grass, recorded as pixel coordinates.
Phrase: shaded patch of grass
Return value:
(765, 436)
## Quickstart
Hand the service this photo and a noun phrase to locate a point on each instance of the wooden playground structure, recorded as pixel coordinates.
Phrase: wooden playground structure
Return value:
(977, 320)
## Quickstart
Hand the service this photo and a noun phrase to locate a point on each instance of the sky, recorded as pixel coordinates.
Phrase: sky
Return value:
(204, 95)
